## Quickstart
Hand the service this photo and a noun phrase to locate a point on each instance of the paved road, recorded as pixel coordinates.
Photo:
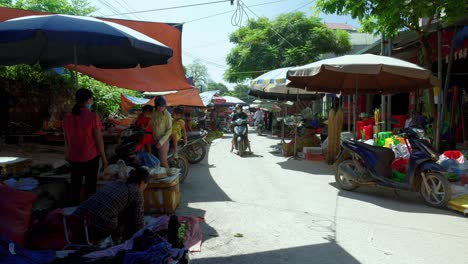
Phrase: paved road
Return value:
(290, 211)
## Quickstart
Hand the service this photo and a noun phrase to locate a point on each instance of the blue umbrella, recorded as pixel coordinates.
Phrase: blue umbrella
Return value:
(58, 40)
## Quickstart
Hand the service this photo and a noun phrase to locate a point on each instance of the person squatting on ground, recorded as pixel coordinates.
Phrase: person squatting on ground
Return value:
(178, 128)
(84, 145)
(117, 209)
(161, 122)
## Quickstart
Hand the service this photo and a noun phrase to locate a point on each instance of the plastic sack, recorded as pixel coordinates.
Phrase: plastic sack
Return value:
(118, 171)
(453, 155)
(16, 209)
(454, 169)
(158, 173)
(148, 159)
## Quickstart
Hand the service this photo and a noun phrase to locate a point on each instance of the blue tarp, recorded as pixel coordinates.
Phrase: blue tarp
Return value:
(207, 97)
(136, 100)
(460, 37)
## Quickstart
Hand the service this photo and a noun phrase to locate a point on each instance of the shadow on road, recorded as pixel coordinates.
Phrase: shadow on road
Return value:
(326, 253)
(313, 167)
(401, 201)
(200, 187)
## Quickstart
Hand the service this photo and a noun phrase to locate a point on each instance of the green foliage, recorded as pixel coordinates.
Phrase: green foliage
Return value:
(260, 48)
(213, 86)
(106, 97)
(391, 16)
(72, 7)
(199, 72)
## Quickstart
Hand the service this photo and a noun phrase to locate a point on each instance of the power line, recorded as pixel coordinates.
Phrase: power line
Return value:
(226, 12)
(302, 6)
(141, 17)
(125, 8)
(206, 61)
(173, 7)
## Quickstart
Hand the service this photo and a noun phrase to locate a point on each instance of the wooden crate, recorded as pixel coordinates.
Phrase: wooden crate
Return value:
(162, 197)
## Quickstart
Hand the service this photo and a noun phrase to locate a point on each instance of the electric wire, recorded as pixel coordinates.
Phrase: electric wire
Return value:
(170, 8)
(239, 14)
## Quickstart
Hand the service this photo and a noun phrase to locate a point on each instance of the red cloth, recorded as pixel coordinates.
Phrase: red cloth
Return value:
(79, 132)
(142, 121)
(16, 213)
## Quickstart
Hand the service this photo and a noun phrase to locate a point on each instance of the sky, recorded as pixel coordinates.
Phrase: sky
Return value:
(207, 38)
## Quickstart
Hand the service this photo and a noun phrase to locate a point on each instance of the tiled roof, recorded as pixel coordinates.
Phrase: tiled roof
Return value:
(340, 26)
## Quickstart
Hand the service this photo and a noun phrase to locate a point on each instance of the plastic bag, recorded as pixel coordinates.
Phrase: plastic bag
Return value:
(148, 159)
(118, 171)
(158, 173)
(453, 155)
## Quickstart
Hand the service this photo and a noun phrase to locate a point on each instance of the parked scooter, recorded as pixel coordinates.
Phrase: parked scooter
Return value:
(360, 164)
(260, 127)
(240, 141)
(195, 150)
(131, 137)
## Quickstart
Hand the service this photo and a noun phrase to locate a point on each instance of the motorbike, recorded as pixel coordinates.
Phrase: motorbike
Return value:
(195, 149)
(260, 127)
(126, 150)
(240, 141)
(359, 164)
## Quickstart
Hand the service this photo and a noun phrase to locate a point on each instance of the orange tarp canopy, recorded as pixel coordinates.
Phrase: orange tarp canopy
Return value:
(167, 77)
(189, 97)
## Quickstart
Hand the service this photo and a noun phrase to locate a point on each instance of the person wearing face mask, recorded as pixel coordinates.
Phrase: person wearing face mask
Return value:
(84, 145)
(161, 122)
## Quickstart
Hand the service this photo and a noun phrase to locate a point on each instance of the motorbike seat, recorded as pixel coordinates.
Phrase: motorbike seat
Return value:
(194, 135)
(385, 158)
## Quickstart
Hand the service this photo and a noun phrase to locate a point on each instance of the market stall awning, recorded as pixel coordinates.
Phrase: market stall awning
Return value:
(230, 101)
(155, 78)
(207, 97)
(127, 102)
(273, 85)
(190, 97)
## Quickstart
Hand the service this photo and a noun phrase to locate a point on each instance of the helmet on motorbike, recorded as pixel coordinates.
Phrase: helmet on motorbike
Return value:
(160, 101)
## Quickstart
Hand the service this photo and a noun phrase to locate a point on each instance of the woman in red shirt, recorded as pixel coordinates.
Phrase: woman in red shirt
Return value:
(84, 145)
(143, 121)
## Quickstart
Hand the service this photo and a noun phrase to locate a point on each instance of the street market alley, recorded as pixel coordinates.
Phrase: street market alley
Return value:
(264, 208)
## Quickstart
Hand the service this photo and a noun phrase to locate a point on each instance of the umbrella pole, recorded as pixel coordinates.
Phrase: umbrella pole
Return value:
(355, 110)
(349, 113)
(75, 60)
(282, 124)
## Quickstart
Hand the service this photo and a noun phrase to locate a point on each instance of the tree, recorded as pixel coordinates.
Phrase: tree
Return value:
(72, 7)
(199, 72)
(241, 91)
(213, 86)
(390, 17)
(291, 39)
(106, 97)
